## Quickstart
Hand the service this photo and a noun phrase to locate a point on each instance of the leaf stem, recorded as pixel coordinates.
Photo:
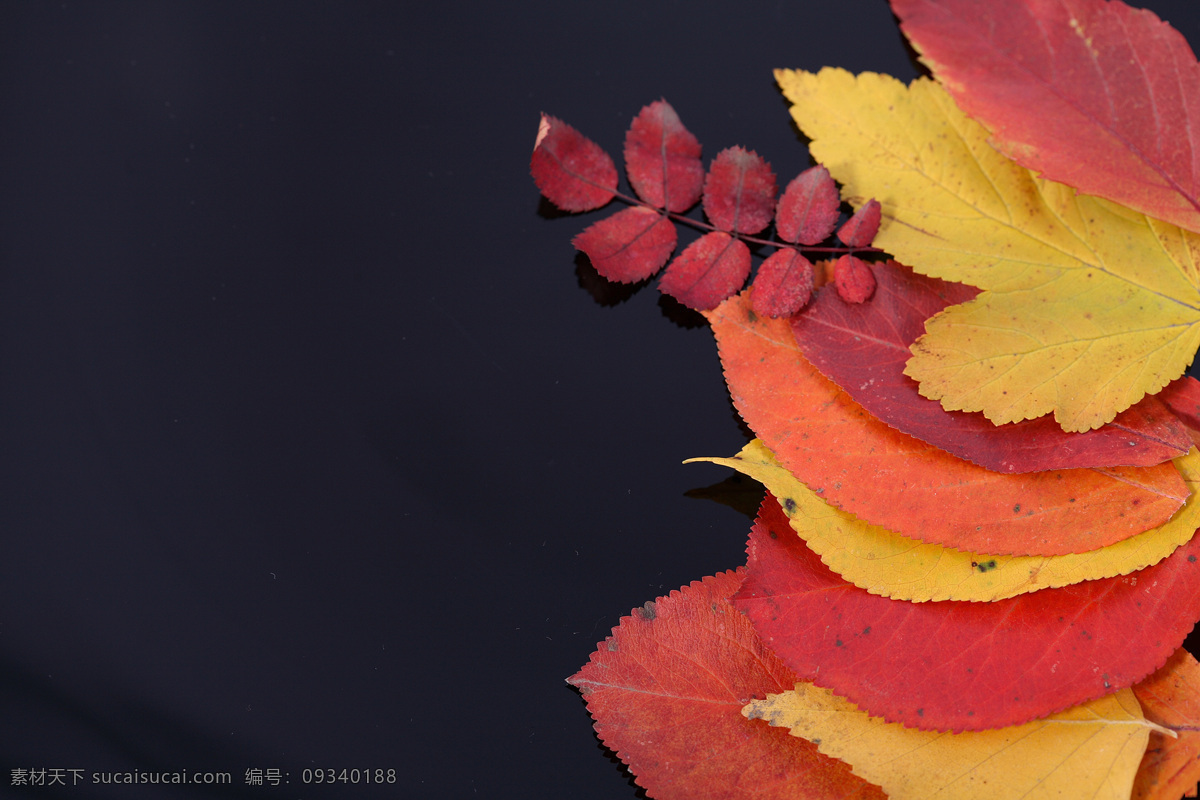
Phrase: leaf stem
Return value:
(702, 225)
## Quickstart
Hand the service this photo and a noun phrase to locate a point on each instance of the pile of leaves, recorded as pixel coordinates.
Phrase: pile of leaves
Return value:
(975, 564)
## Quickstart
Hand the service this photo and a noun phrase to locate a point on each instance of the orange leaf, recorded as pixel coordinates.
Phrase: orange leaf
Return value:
(1171, 698)
(890, 479)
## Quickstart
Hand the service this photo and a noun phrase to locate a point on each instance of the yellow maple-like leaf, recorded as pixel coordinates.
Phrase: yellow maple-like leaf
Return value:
(893, 565)
(1092, 750)
(1088, 306)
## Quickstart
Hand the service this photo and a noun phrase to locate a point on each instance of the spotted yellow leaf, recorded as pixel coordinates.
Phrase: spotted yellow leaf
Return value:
(892, 565)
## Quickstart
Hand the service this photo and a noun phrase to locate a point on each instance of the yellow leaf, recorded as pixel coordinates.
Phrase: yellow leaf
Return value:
(1088, 306)
(1091, 751)
(892, 565)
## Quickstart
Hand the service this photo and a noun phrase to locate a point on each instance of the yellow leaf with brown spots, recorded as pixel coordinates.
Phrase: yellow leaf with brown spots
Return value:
(886, 563)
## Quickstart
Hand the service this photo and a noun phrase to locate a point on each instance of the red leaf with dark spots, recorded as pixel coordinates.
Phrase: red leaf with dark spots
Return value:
(863, 349)
(667, 690)
(662, 159)
(1090, 93)
(808, 209)
(947, 665)
(709, 270)
(629, 246)
(853, 278)
(783, 284)
(572, 171)
(860, 229)
(739, 192)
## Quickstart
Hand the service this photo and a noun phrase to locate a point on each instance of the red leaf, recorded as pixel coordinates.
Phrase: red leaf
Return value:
(667, 689)
(947, 665)
(808, 209)
(853, 279)
(783, 284)
(709, 270)
(739, 192)
(1183, 398)
(892, 480)
(572, 171)
(860, 229)
(629, 246)
(662, 159)
(863, 348)
(1090, 93)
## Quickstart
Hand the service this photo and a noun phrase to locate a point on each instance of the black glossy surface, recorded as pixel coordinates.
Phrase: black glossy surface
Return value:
(316, 449)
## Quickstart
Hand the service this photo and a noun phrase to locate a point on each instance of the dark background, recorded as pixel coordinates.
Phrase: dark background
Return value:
(319, 446)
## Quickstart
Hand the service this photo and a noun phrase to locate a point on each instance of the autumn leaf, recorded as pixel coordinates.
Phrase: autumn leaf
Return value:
(571, 170)
(853, 278)
(629, 246)
(662, 159)
(1090, 93)
(739, 191)
(783, 283)
(1089, 751)
(860, 229)
(894, 566)
(887, 478)
(808, 209)
(708, 270)
(863, 348)
(1088, 306)
(1182, 397)
(1171, 698)
(666, 690)
(963, 666)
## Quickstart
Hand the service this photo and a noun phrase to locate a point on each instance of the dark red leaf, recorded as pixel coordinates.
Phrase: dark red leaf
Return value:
(853, 278)
(629, 246)
(739, 192)
(783, 284)
(572, 171)
(1090, 93)
(947, 665)
(667, 690)
(808, 209)
(1182, 396)
(709, 270)
(662, 159)
(863, 349)
(860, 229)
